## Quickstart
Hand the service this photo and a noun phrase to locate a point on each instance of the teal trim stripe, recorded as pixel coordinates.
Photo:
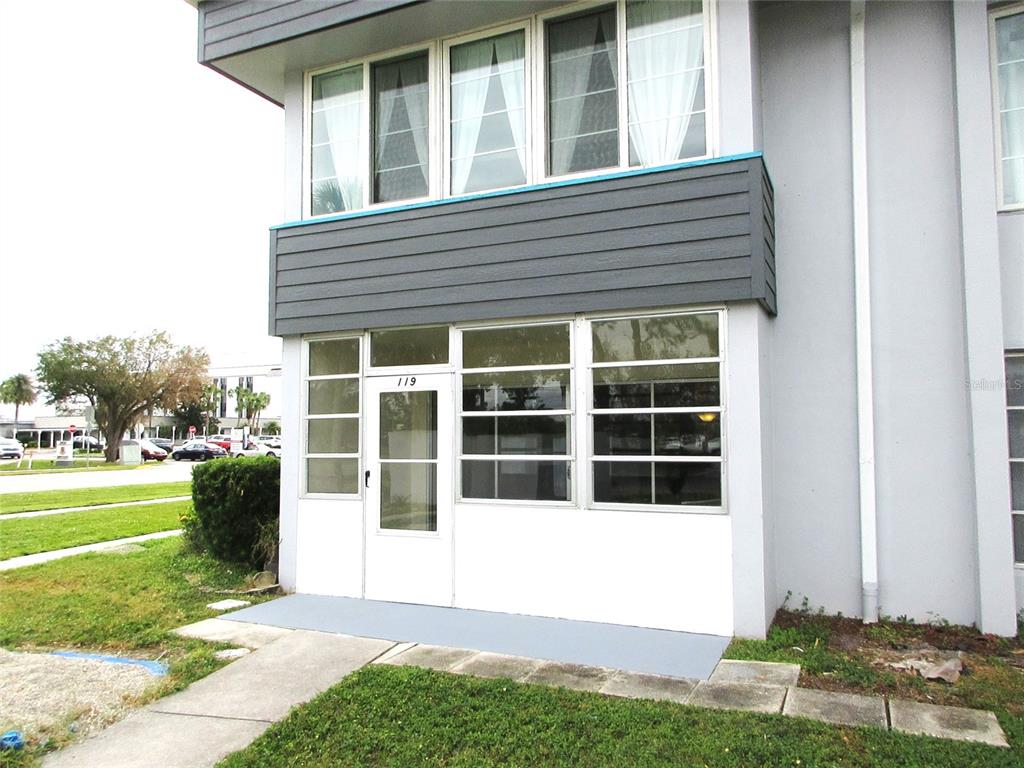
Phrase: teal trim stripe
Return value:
(519, 190)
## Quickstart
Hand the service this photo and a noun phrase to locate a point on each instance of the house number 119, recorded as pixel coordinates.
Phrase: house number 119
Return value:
(407, 381)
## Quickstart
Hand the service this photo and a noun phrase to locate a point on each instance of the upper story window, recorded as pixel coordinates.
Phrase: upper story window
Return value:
(563, 93)
(1007, 47)
(488, 113)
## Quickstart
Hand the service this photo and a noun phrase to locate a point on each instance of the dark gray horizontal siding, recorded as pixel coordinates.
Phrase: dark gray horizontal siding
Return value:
(228, 27)
(686, 235)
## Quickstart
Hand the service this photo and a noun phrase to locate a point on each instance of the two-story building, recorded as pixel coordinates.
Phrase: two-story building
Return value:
(649, 313)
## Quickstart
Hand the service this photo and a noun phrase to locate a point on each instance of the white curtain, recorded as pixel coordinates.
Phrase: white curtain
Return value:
(470, 65)
(510, 53)
(343, 116)
(661, 94)
(414, 93)
(417, 104)
(569, 77)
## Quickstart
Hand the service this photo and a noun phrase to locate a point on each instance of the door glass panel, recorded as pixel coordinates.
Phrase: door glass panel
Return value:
(408, 450)
(408, 496)
(409, 346)
(408, 425)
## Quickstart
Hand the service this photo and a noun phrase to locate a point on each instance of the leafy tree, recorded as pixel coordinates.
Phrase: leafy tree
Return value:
(122, 378)
(18, 390)
(272, 428)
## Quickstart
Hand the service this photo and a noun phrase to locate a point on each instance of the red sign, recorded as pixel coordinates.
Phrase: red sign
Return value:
(72, 429)
(191, 430)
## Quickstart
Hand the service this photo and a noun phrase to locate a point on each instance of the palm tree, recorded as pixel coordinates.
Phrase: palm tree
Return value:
(257, 402)
(18, 390)
(209, 402)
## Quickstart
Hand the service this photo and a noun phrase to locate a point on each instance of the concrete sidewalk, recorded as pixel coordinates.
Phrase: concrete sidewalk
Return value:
(224, 712)
(58, 554)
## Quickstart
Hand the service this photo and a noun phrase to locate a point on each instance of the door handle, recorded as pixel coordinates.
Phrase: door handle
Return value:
(366, 479)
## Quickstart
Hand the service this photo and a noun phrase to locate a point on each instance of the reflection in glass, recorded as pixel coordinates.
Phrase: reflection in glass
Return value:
(408, 496)
(516, 345)
(332, 435)
(1017, 485)
(1016, 434)
(1015, 378)
(658, 386)
(627, 434)
(655, 338)
(333, 396)
(408, 425)
(516, 391)
(332, 475)
(687, 434)
(673, 483)
(515, 435)
(409, 346)
(1018, 538)
(523, 480)
(336, 356)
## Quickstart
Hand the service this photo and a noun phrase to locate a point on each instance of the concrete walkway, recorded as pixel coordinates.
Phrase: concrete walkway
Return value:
(165, 472)
(224, 712)
(45, 512)
(57, 554)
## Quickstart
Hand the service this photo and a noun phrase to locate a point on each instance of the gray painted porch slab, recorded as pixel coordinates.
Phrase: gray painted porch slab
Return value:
(634, 649)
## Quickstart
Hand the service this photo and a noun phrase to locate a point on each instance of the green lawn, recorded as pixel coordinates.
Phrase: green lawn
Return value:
(116, 603)
(26, 535)
(88, 497)
(401, 716)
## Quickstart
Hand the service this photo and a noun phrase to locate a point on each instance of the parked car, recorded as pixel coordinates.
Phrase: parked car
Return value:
(256, 448)
(151, 451)
(162, 442)
(198, 450)
(224, 441)
(271, 441)
(86, 442)
(11, 448)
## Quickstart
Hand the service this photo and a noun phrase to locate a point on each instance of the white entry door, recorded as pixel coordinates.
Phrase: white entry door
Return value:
(408, 480)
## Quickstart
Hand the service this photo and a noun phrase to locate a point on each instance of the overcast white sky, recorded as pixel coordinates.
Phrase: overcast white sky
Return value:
(136, 186)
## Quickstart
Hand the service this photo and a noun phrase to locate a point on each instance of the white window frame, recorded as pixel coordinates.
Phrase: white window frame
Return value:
(446, 79)
(994, 15)
(1015, 461)
(535, 106)
(540, 125)
(306, 417)
(570, 458)
(366, 160)
(589, 412)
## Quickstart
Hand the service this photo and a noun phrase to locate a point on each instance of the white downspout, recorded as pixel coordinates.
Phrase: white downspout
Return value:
(862, 291)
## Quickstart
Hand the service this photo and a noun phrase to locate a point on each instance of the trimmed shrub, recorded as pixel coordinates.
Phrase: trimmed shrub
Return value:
(233, 501)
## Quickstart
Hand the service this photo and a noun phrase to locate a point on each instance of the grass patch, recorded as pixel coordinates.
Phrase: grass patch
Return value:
(402, 716)
(27, 535)
(841, 654)
(123, 604)
(89, 497)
